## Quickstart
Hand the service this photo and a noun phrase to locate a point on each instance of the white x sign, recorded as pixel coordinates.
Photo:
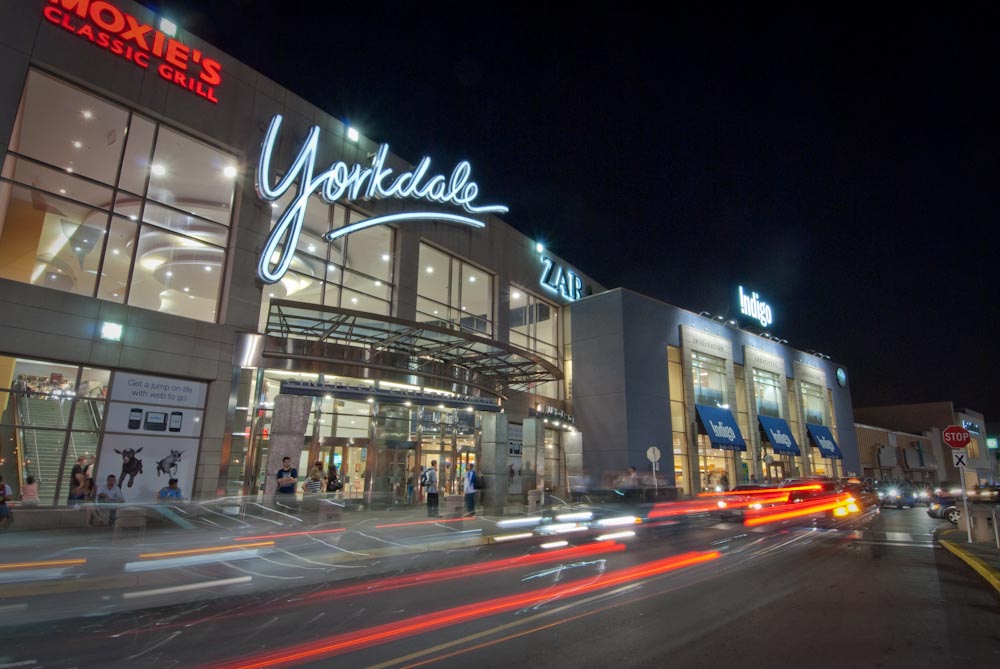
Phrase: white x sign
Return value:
(959, 458)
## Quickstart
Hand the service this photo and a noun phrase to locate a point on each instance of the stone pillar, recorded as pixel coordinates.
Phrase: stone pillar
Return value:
(492, 462)
(573, 453)
(533, 455)
(288, 429)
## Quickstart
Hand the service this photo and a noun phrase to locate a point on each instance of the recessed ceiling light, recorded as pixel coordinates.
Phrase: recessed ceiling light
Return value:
(515, 295)
(312, 248)
(69, 170)
(472, 279)
(354, 300)
(115, 251)
(385, 257)
(134, 217)
(158, 170)
(62, 191)
(378, 283)
(208, 268)
(229, 172)
(87, 114)
(270, 294)
(169, 273)
(77, 144)
(430, 270)
(186, 289)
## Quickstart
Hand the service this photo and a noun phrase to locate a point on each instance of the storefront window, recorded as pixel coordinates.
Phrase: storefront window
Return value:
(710, 387)
(453, 293)
(767, 393)
(84, 178)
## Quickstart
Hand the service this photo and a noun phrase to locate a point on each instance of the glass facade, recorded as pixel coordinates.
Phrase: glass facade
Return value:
(50, 415)
(767, 391)
(453, 293)
(709, 378)
(534, 326)
(98, 200)
(353, 272)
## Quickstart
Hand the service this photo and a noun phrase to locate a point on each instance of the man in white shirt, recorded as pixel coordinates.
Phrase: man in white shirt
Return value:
(109, 493)
(432, 490)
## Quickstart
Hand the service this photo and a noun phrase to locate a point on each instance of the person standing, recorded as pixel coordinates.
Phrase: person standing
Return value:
(432, 490)
(76, 478)
(6, 515)
(471, 488)
(333, 483)
(287, 478)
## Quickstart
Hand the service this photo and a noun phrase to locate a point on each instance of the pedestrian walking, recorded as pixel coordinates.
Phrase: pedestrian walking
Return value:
(432, 490)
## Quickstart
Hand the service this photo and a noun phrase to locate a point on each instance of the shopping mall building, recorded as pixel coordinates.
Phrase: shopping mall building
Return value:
(200, 271)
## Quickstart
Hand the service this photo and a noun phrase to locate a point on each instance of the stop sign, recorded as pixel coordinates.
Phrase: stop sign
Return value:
(956, 436)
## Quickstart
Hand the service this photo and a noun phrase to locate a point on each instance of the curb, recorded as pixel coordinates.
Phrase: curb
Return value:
(991, 575)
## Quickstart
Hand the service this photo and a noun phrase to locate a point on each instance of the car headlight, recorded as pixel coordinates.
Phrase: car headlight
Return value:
(935, 506)
(722, 504)
(893, 492)
(923, 493)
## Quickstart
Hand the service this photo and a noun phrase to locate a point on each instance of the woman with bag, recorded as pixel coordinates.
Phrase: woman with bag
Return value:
(333, 483)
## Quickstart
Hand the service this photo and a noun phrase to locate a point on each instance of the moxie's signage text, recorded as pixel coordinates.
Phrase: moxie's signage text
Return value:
(108, 27)
(351, 182)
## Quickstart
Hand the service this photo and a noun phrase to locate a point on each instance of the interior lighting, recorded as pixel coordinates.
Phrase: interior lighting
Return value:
(385, 257)
(87, 114)
(430, 270)
(515, 295)
(77, 144)
(158, 170)
(229, 171)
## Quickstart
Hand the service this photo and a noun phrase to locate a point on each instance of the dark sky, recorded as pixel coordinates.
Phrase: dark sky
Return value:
(842, 160)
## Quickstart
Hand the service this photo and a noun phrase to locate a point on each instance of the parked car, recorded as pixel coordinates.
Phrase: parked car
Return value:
(945, 506)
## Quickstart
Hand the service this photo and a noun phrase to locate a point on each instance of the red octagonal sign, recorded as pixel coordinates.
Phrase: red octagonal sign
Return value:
(956, 436)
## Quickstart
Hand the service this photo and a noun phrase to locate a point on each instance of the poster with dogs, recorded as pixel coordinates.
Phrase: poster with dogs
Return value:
(143, 464)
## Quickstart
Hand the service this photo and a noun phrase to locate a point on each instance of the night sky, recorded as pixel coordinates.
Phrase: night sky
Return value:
(841, 160)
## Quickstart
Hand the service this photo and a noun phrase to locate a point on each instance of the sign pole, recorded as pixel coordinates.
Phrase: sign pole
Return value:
(965, 502)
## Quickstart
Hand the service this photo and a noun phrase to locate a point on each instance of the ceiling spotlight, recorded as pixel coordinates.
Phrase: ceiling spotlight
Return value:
(385, 257)
(87, 114)
(77, 144)
(158, 170)
(229, 171)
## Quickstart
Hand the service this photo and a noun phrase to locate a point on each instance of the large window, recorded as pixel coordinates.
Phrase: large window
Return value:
(100, 201)
(767, 393)
(354, 272)
(812, 403)
(534, 324)
(710, 387)
(454, 293)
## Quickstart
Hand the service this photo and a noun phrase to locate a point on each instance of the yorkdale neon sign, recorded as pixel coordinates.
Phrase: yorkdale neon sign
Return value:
(341, 181)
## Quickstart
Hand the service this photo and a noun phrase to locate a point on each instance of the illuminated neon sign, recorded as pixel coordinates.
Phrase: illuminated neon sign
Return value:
(341, 181)
(560, 280)
(751, 305)
(109, 28)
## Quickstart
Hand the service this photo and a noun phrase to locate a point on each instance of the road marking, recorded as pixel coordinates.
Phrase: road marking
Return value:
(899, 536)
(11, 608)
(26, 663)
(188, 586)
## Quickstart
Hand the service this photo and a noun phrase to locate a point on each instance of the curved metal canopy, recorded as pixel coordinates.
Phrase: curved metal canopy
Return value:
(423, 350)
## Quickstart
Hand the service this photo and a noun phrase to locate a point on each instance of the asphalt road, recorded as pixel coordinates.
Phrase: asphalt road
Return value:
(693, 594)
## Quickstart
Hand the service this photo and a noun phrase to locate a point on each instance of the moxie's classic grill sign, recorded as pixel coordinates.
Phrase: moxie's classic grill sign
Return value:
(110, 28)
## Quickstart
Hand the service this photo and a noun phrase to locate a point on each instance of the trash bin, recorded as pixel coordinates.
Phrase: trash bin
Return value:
(534, 501)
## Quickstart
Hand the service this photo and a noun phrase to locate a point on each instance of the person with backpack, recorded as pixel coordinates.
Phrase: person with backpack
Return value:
(471, 488)
(431, 486)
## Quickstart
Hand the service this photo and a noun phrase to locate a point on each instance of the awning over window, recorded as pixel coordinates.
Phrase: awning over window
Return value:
(776, 431)
(721, 428)
(820, 437)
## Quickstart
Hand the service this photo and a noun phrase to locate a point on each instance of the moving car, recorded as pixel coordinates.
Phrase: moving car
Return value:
(864, 493)
(733, 506)
(987, 493)
(945, 506)
(898, 495)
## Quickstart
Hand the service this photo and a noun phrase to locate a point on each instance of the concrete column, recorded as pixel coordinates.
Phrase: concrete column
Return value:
(492, 462)
(573, 453)
(288, 429)
(533, 455)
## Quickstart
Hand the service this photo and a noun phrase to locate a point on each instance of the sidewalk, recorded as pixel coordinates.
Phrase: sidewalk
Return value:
(983, 557)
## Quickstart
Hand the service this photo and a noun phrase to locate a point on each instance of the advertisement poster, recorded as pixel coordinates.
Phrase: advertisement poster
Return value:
(143, 464)
(151, 435)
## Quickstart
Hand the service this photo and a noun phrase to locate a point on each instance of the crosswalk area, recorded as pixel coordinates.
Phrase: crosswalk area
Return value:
(911, 539)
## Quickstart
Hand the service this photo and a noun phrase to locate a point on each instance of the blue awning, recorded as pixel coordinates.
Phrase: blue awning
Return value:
(721, 428)
(820, 436)
(780, 437)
